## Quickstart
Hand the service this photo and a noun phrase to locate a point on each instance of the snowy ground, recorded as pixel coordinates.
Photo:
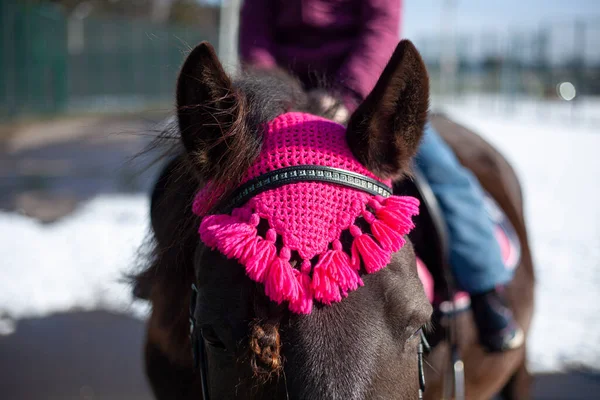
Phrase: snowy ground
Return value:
(78, 262)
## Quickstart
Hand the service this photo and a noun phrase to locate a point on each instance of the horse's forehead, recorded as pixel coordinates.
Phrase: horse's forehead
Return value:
(296, 138)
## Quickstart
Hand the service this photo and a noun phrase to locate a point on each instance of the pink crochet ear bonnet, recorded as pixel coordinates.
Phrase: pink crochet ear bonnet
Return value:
(307, 217)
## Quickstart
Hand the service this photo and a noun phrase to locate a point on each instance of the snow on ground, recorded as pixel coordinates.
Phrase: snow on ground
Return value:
(78, 261)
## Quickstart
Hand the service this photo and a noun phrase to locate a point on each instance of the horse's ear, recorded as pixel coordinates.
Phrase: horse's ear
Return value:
(210, 114)
(385, 131)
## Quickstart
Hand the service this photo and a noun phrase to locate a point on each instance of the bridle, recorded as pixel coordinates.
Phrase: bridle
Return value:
(198, 345)
(272, 180)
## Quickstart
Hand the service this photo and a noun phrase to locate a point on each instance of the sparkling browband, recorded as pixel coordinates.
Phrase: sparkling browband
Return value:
(304, 173)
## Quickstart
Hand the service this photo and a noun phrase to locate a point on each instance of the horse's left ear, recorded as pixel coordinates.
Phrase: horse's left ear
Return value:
(210, 114)
(385, 131)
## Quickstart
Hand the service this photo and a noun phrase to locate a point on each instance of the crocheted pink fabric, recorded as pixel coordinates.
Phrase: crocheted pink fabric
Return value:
(308, 217)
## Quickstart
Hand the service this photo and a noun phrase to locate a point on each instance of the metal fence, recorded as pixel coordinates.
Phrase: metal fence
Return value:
(32, 59)
(51, 62)
(516, 62)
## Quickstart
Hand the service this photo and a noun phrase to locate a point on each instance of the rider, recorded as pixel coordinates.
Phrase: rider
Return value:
(349, 43)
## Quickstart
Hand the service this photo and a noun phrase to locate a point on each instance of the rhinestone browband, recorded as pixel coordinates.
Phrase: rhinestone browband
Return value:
(304, 173)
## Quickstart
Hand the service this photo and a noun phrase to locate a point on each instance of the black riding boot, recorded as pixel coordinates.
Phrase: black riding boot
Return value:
(498, 330)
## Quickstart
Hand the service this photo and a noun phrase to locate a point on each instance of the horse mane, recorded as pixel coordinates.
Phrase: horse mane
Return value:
(166, 268)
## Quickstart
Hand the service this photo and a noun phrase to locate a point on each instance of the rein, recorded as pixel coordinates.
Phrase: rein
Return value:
(454, 385)
(272, 180)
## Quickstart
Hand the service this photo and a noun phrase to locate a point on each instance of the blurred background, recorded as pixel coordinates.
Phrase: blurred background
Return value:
(86, 84)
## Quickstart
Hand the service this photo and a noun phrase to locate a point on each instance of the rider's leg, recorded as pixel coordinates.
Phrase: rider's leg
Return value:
(475, 255)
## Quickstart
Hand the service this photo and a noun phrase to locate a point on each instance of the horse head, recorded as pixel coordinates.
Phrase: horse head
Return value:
(276, 322)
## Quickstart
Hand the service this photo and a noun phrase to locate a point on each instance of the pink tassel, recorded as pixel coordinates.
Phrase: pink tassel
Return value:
(334, 275)
(303, 304)
(209, 226)
(372, 255)
(390, 239)
(263, 255)
(249, 250)
(325, 287)
(347, 277)
(407, 204)
(395, 219)
(396, 211)
(220, 227)
(234, 246)
(280, 282)
(228, 234)
(257, 264)
(345, 273)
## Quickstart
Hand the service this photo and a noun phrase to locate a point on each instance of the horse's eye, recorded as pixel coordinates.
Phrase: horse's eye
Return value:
(211, 338)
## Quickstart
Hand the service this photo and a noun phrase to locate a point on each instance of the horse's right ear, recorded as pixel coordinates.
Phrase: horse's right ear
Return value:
(210, 114)
(385, 131)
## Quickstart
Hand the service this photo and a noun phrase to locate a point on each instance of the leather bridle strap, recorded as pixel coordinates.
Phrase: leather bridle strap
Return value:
(198, 346)
(304, 173)
(423, 348)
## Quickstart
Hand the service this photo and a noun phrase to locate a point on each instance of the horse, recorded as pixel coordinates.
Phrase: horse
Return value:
(365, 346)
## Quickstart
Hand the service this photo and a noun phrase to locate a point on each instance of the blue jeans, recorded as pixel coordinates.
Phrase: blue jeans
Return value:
(475, 255)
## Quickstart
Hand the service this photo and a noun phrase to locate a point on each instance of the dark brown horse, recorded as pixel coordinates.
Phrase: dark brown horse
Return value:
(363, 347)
